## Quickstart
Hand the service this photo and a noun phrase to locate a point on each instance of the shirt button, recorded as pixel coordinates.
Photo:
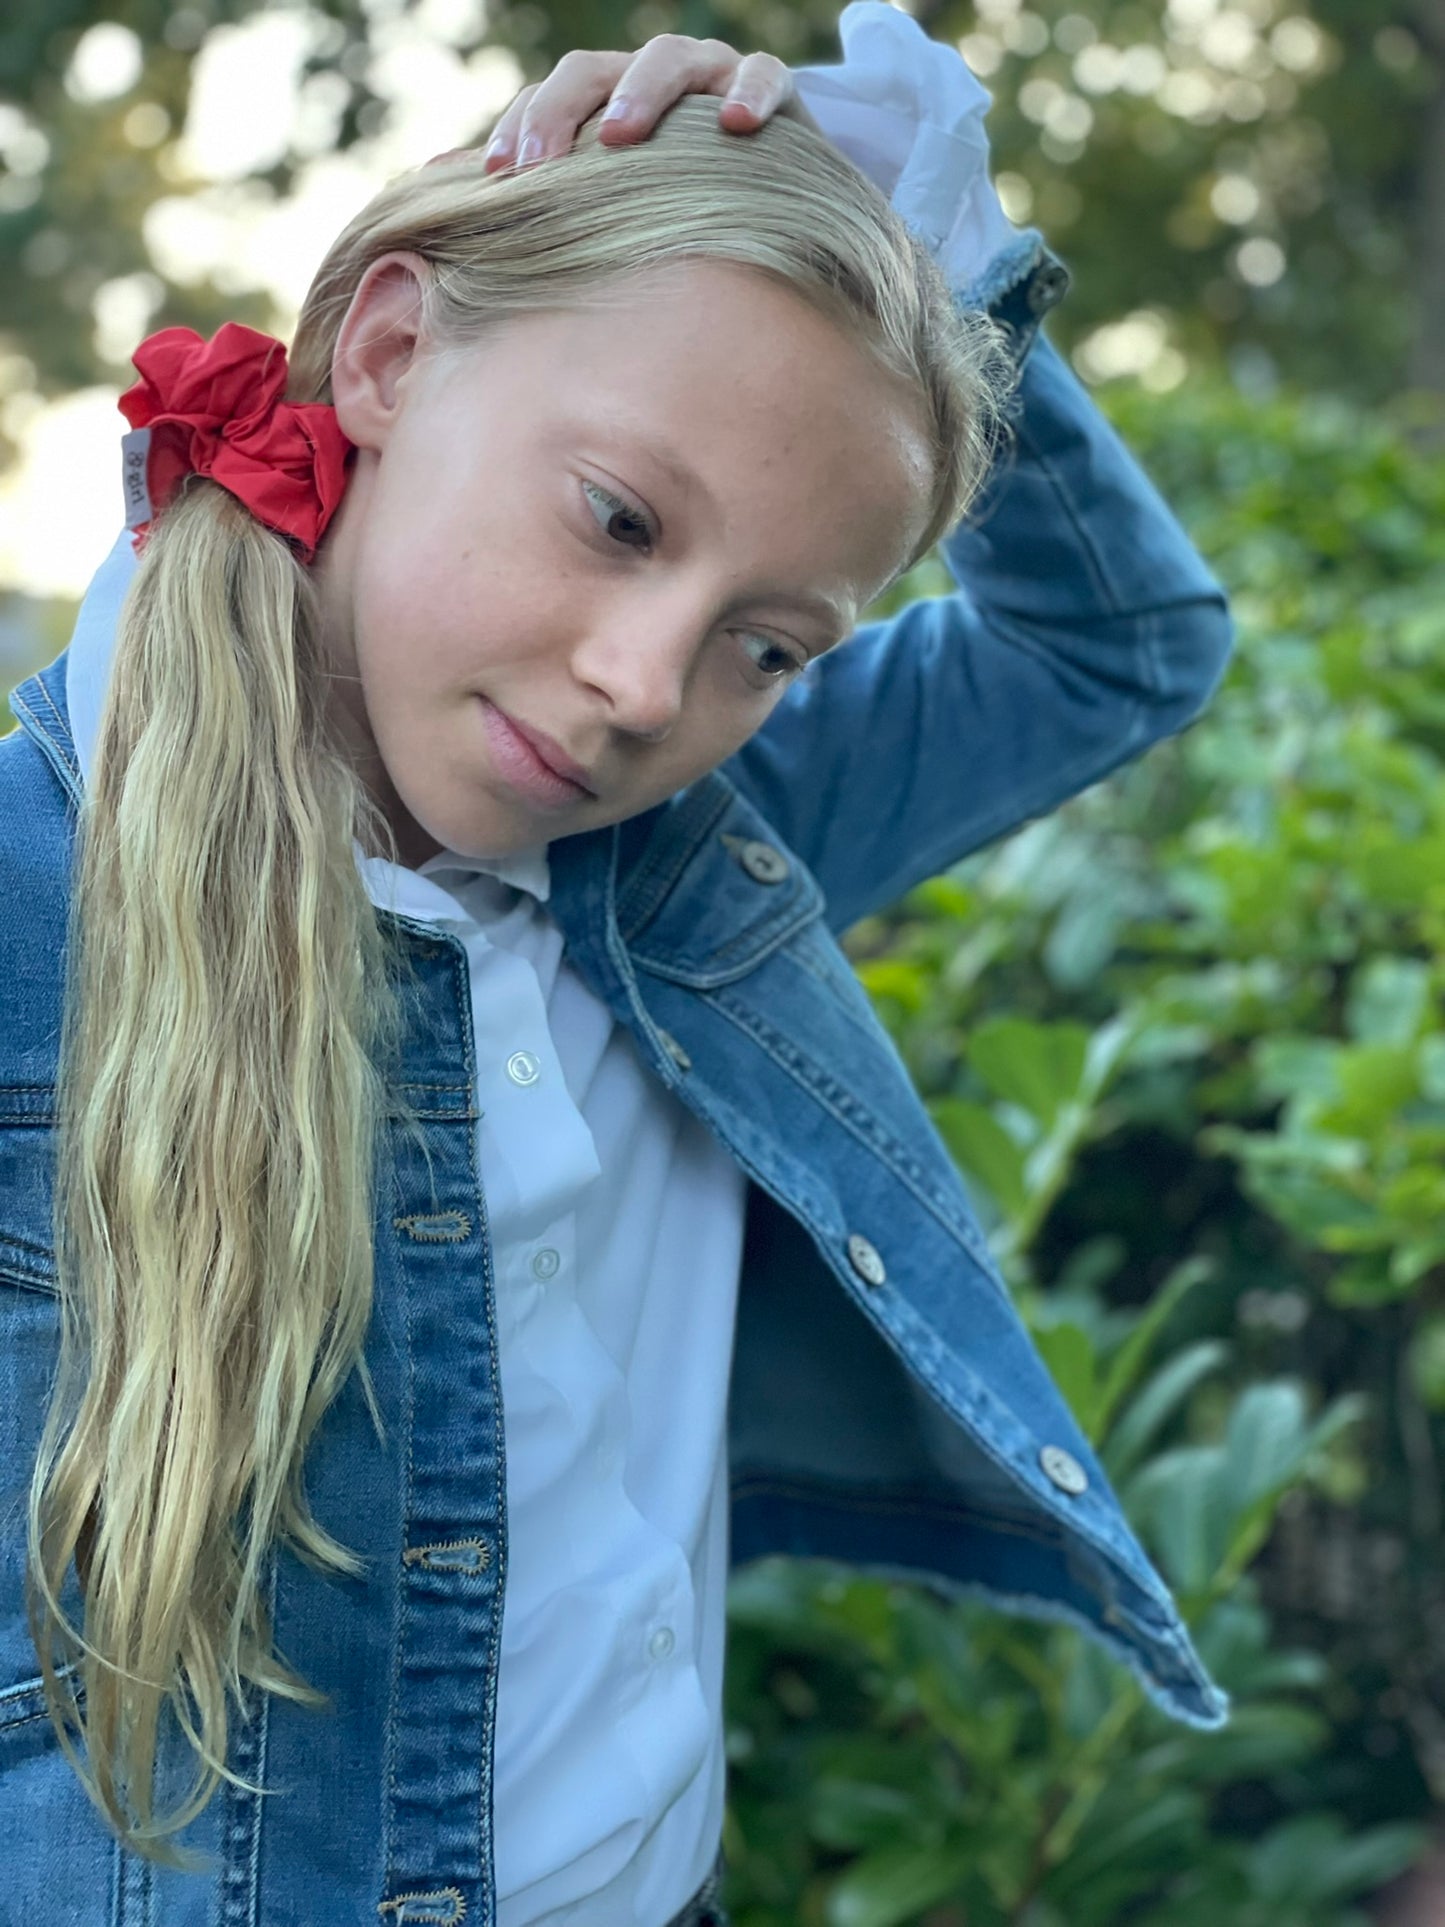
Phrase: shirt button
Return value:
(661, 1642)
(523, 1067)
(865, 1261)
(1064, 1470)
(547, 1263)
(762, 862)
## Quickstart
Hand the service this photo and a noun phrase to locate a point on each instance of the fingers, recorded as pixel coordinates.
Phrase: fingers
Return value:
(761, 85)
(543, 119)
(503, 143)
(670, 65)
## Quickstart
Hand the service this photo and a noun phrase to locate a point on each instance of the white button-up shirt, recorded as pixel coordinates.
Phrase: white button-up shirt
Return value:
(616, 1226)
(615, 1221)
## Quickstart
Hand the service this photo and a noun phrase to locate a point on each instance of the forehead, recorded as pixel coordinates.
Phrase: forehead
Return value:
(748, 404)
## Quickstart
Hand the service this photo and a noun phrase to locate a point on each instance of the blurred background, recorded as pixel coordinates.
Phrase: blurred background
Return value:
(1186, 1039)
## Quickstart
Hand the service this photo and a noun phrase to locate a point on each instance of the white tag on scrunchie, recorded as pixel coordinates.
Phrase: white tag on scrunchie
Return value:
(135, 448)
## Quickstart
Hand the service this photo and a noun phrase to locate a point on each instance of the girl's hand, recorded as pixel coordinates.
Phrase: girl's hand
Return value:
(543, 119)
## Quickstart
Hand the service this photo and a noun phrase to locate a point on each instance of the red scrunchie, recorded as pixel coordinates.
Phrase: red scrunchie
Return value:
(215, 408)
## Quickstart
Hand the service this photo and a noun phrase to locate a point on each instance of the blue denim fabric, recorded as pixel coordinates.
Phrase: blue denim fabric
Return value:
(895, 1423)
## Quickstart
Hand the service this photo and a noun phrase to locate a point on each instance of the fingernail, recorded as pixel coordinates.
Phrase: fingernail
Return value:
(496, 145)
(618, 108)
(530, 150)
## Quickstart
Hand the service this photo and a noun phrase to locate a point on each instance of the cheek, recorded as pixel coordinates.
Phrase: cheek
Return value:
(435, 627)
(408, 586)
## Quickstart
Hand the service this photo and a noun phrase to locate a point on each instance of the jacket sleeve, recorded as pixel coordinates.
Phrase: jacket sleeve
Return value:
(1084, 628)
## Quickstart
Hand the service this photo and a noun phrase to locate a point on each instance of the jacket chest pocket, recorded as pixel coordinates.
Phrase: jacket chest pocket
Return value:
(716, 895)
(29, 1347)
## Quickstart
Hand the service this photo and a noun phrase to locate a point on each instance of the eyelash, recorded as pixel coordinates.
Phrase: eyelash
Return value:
(797, 663)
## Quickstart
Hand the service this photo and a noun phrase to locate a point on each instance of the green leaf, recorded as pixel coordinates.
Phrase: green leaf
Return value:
(1316, 1208)
(1267, 1450)
(1156, 1404)
(1037, 1066)
(1175, 1495)
(1376, 1081)
(1427, 1361)
(1431, 1066)
(847, 1816)
(943, 896)
(1069, 1355)
(1369, 1281)
(1137, 1831)
(1128, 1361)
(984, 1149)
(1360, 1865)
(1413, 1257)
(892, 977)
(1388, 999)
(1310, 1859)
(896, 1885)
(1259, 1741)
(1265, 1440)
(1296, 1066)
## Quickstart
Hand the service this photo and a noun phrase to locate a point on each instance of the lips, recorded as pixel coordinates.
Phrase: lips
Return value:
(551, 753)
(518, 761)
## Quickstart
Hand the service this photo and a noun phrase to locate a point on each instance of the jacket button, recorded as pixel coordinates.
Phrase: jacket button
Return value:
(763, 863)
(865, 1261)
(1047, 288)
(1064, 1470)
(675, 1051)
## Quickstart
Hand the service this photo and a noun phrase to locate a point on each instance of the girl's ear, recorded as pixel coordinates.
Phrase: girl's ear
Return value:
(376, 345)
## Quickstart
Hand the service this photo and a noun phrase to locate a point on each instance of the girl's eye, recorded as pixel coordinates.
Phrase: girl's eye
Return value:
(620, 509)
(785, 664)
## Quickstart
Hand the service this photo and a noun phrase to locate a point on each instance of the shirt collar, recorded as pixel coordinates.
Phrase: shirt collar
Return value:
(87, 673)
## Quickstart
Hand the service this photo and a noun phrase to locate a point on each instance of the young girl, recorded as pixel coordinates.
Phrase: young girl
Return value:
(455, 1197)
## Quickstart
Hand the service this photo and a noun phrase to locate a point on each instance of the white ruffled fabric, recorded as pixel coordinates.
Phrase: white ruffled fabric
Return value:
(909, 114)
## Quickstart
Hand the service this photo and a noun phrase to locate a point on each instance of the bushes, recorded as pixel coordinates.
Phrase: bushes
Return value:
(1186, 1040)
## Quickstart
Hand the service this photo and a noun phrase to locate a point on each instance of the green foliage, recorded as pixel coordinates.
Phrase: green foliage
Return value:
(1156, 143)
(892, 1753)
(1231, 949)
(1293, 950)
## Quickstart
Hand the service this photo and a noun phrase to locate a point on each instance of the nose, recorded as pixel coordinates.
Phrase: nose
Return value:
(641, 671)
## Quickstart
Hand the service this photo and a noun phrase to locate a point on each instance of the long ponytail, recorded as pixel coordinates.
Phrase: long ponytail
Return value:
(219, 1102)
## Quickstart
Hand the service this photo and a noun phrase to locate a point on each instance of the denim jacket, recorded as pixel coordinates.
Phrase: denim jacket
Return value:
(887, 1408)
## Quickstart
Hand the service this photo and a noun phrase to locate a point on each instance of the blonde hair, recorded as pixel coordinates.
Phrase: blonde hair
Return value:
(228, 1013)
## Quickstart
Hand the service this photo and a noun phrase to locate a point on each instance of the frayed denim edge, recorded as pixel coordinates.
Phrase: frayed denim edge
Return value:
(1173, 1702)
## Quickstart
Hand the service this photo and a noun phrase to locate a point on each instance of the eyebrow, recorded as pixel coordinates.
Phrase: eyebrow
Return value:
(689, 482)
